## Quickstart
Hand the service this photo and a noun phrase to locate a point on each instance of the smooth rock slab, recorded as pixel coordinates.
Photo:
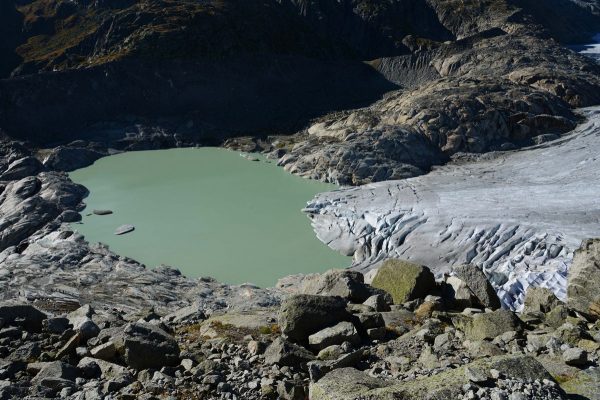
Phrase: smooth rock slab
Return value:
(123, 229)
(337, 334)
(102, 212)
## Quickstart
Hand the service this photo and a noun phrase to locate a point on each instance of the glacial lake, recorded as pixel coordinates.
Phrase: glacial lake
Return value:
(207, 212)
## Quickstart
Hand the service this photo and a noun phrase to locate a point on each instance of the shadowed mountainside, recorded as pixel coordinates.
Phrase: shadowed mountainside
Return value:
(470, 76)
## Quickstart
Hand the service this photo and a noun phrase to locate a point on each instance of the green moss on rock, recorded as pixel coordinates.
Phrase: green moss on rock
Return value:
(405, 281)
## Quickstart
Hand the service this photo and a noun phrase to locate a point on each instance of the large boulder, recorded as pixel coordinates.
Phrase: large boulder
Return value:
(32, 317)
(56, 369)
(405, 281)
(285, 353)
(584, 279)
(302, 315)
(457, 293)
(344, 283)
(478, 283)
(488, 325)
(539, 299)
(146, 346)
(55, 376)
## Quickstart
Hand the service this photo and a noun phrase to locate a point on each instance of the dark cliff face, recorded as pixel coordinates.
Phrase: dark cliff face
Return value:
(11, 23)
(371, 28)
(231, 67)
(569, 21)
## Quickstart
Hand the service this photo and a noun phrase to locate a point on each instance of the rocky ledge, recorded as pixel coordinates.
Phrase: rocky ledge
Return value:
(333, 337)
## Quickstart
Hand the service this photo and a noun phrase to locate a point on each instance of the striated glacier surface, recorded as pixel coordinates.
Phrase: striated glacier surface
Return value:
(518, 216)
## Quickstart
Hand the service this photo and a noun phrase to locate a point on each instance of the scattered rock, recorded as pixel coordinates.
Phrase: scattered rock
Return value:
(345, 283)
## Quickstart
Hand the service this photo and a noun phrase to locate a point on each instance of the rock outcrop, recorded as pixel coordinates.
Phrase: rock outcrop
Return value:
(584, 279)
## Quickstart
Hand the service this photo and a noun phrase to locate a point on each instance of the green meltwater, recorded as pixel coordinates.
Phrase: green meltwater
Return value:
(207, 212)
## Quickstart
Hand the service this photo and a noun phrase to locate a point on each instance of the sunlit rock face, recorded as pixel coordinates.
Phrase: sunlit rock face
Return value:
(517, 215)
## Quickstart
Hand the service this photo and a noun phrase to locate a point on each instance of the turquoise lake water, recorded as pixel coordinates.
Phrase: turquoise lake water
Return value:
(207, 212)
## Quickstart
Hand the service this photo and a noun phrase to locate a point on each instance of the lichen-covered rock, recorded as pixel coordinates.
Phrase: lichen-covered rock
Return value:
(488, 325)
(538, 299)
(302, 315)
(405, 281)
(584, 279)
(350, 384)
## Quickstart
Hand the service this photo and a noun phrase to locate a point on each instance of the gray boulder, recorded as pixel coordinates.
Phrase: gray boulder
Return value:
(457, 293)
(405, 281)
(56, 369)
(337, 334)
(105, 351)
(584, 279)
(147, 346)
(81, 319)
(371, 320)
(285, 353)
(575, 356)
(31, 316)
(379, 302)
(56, 325)
(302, 315)
(344, 283)
(93, 368)
(478, 283)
